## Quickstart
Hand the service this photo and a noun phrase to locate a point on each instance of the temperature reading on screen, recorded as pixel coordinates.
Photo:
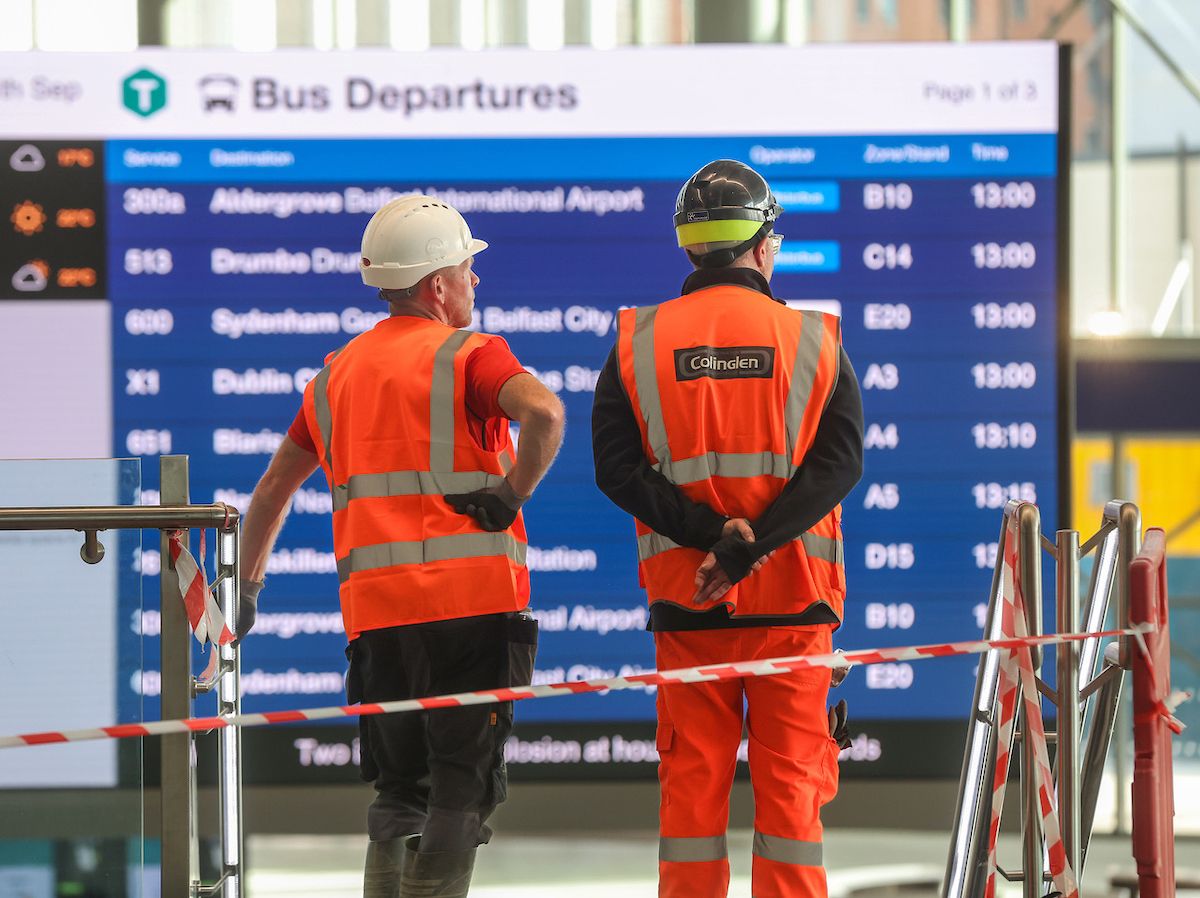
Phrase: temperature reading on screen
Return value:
(1012, 195)
(76, 277)
(75, 218)
(83, 157)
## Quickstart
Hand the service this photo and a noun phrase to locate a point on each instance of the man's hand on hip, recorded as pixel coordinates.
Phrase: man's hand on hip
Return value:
(493, 508)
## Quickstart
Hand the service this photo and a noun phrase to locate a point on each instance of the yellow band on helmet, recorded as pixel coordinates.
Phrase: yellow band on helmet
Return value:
(716, 231)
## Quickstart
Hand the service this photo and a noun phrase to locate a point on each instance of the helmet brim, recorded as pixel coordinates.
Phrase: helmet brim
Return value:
(727, 230)
(390, 276)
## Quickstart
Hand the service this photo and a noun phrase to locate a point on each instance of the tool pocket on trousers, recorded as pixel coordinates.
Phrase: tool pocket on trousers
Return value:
(501, 722)
(664, 738)
(522, 649)
(832, 772)
(367, 767)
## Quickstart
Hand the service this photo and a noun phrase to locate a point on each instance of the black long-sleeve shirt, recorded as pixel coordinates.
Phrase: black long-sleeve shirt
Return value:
(830, 469)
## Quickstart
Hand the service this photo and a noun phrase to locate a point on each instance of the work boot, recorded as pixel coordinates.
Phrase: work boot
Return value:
(385, 862)
(435, 874)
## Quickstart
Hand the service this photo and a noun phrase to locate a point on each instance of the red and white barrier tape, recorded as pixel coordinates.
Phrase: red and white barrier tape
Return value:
(1019, 682)
(1166, 707)
(707, 673)
(203, 613)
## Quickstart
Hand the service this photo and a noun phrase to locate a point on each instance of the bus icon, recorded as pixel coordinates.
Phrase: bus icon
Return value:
(218, 92)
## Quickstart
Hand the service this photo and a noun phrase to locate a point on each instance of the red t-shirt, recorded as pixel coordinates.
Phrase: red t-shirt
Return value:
(488, 369)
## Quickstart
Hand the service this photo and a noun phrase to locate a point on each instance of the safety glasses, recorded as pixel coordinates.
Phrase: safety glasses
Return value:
(776, 242)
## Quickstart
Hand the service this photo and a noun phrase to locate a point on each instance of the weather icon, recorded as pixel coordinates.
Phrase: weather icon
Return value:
(31, 277)
(28, 218)
(27, 158)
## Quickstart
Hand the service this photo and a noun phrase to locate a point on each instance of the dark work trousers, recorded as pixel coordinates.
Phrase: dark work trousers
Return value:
(441, 772)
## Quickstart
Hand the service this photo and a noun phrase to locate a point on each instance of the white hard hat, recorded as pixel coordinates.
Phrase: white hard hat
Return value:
(411, 237)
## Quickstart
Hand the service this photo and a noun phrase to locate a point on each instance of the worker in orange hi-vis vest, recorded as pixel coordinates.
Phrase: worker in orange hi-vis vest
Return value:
(410, 424)
(730, 426)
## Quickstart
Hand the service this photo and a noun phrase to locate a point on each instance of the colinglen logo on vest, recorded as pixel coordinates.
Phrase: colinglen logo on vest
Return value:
(724, 362)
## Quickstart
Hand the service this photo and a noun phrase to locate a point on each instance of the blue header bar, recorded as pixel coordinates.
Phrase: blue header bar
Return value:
(546, 159)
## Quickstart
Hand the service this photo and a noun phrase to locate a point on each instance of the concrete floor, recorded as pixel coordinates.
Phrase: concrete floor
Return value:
(861, 863)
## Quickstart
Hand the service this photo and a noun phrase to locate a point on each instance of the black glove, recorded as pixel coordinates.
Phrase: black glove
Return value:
(247, 606)
(839, 728)
(494, 508)
(735, 556)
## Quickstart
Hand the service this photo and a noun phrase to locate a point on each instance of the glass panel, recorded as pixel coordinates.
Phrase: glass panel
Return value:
(1162, 475)
(71, 818)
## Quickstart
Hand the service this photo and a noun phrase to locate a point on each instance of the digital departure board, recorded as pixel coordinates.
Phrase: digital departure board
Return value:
(217, 201)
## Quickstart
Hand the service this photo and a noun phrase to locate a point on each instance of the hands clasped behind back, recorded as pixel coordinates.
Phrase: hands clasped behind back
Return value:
(712, 579)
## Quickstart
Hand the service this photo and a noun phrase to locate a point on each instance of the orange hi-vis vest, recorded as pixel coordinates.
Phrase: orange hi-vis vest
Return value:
(728, 387)
(389, 418)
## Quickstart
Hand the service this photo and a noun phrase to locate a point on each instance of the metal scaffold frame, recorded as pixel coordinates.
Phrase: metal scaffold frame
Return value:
(1086, 699)
(178, 827)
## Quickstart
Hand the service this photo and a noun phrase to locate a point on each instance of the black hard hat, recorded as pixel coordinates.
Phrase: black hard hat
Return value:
(724, 201)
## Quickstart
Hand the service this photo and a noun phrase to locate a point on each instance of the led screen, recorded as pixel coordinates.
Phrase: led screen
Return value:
(216, 202)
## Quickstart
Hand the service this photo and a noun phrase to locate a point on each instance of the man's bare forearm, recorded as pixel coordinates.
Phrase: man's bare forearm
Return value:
(542, 419)
(541, 437)
(269, 505)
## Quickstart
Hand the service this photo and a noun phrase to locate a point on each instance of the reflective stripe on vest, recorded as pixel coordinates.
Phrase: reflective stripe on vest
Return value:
(324, 414)
(722, 464)
(647, 383)
(441, 477)
(441, 403)
(816, 546)
(410, 483)
(694, 850)
(788, 851)
(804, 375)
(727, 464)
(439, 548)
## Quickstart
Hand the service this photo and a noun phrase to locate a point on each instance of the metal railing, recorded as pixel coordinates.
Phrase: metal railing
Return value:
(179, 831)
(1086, 700)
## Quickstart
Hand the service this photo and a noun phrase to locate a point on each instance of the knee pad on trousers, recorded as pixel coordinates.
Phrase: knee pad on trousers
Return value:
(447, 830)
